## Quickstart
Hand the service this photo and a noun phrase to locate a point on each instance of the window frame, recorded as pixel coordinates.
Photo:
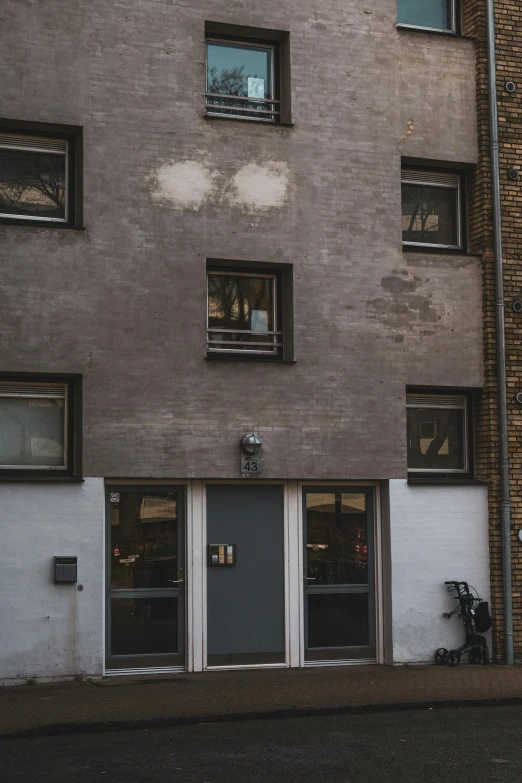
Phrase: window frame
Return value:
(283, 306)
(274, 69)
(454, 30)
(72, 469)
(468, 407)
(73, 136)
(276, 316)
(460, 216)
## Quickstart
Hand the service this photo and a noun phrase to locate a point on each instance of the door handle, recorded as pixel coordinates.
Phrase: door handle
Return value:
(310, 578)
(175, 581)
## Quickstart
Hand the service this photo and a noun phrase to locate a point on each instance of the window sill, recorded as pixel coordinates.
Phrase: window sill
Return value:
(248, 119)
(42, 479)
(445, 480)
(432, 31)
(40, 224)
(445, 251)
(216, 357)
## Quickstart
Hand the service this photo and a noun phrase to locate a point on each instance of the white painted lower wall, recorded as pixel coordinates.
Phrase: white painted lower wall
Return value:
(437, 533)
(50, 630)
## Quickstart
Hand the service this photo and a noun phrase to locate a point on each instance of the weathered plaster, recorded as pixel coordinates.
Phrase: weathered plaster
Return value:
(186, 185)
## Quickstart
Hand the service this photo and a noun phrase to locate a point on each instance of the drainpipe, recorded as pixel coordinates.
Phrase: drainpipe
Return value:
(505, 512)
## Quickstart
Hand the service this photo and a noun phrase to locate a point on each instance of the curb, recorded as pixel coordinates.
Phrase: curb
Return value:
(60, 729)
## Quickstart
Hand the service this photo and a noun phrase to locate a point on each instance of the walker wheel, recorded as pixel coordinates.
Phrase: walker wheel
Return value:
(485, 655)
(453, 658)
(441, 656)
(475, 655)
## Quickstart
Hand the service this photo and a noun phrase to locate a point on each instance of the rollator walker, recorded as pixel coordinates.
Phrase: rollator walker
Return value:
(474, 620)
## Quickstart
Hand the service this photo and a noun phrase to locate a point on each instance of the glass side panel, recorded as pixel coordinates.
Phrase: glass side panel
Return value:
(32, 184)
(338, 620)
(242, 71)
(144, 540)
(144, 626)
(243, 307)
(337, 539)
(436, 439)
(32, 432)
(425, 13)
(430, 215)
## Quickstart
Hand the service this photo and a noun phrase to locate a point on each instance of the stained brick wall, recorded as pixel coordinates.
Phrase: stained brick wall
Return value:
(123, 302)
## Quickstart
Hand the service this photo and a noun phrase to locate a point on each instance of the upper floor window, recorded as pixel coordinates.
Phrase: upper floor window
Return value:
(250, 311)
(241, 80)
(244, 313)
(39, 423)
(439, 433)
(438, 15)
(39, 180)
(432, 211)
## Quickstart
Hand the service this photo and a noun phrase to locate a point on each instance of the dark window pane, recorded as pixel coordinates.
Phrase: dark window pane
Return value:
(144, 626)
(425, 13)
(436, 439)
(144, 540)
(337, 539)
(242, 307)
(239, 70)
(32, 184)
(338, 620)
(430, 215)
(32, 432)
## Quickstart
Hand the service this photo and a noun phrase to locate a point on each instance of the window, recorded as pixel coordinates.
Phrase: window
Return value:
(240, 80)
(243, 313)
(38, 181)
(432, 213)
(38, 427)
(428, 14)
(438, 433)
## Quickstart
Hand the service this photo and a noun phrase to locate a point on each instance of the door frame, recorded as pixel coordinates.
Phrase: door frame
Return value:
(377, 554)
(145, 486)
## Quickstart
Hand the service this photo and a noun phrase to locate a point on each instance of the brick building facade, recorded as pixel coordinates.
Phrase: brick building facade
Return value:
(123, 403)
(508, 39)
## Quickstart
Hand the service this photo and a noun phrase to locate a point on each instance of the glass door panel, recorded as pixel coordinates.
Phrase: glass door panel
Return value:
(339, 574)
(146, 577)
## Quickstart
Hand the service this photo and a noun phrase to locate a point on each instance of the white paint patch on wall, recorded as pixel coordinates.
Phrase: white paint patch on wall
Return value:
(186, 185)
(259, 188)
(189, 185)
(437, 534)
(51, 630)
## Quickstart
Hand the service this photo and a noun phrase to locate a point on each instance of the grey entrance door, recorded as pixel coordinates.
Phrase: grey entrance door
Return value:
(245, 607)
(145, 602)
(339, 593)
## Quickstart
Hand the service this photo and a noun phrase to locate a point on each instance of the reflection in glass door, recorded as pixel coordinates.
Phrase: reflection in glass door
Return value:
(145, 607)
(339, 590)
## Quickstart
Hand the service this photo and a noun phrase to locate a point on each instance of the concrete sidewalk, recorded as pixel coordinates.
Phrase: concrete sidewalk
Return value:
(115, 703)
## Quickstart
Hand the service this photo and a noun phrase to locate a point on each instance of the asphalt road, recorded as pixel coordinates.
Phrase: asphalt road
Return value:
(456, 745)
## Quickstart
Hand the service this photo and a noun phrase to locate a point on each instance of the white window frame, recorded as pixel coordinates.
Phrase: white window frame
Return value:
(43, 145)
(436, 179)
(453, 16)
(275, 112)
(427, 401)
(277, 335)
(44, 391)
